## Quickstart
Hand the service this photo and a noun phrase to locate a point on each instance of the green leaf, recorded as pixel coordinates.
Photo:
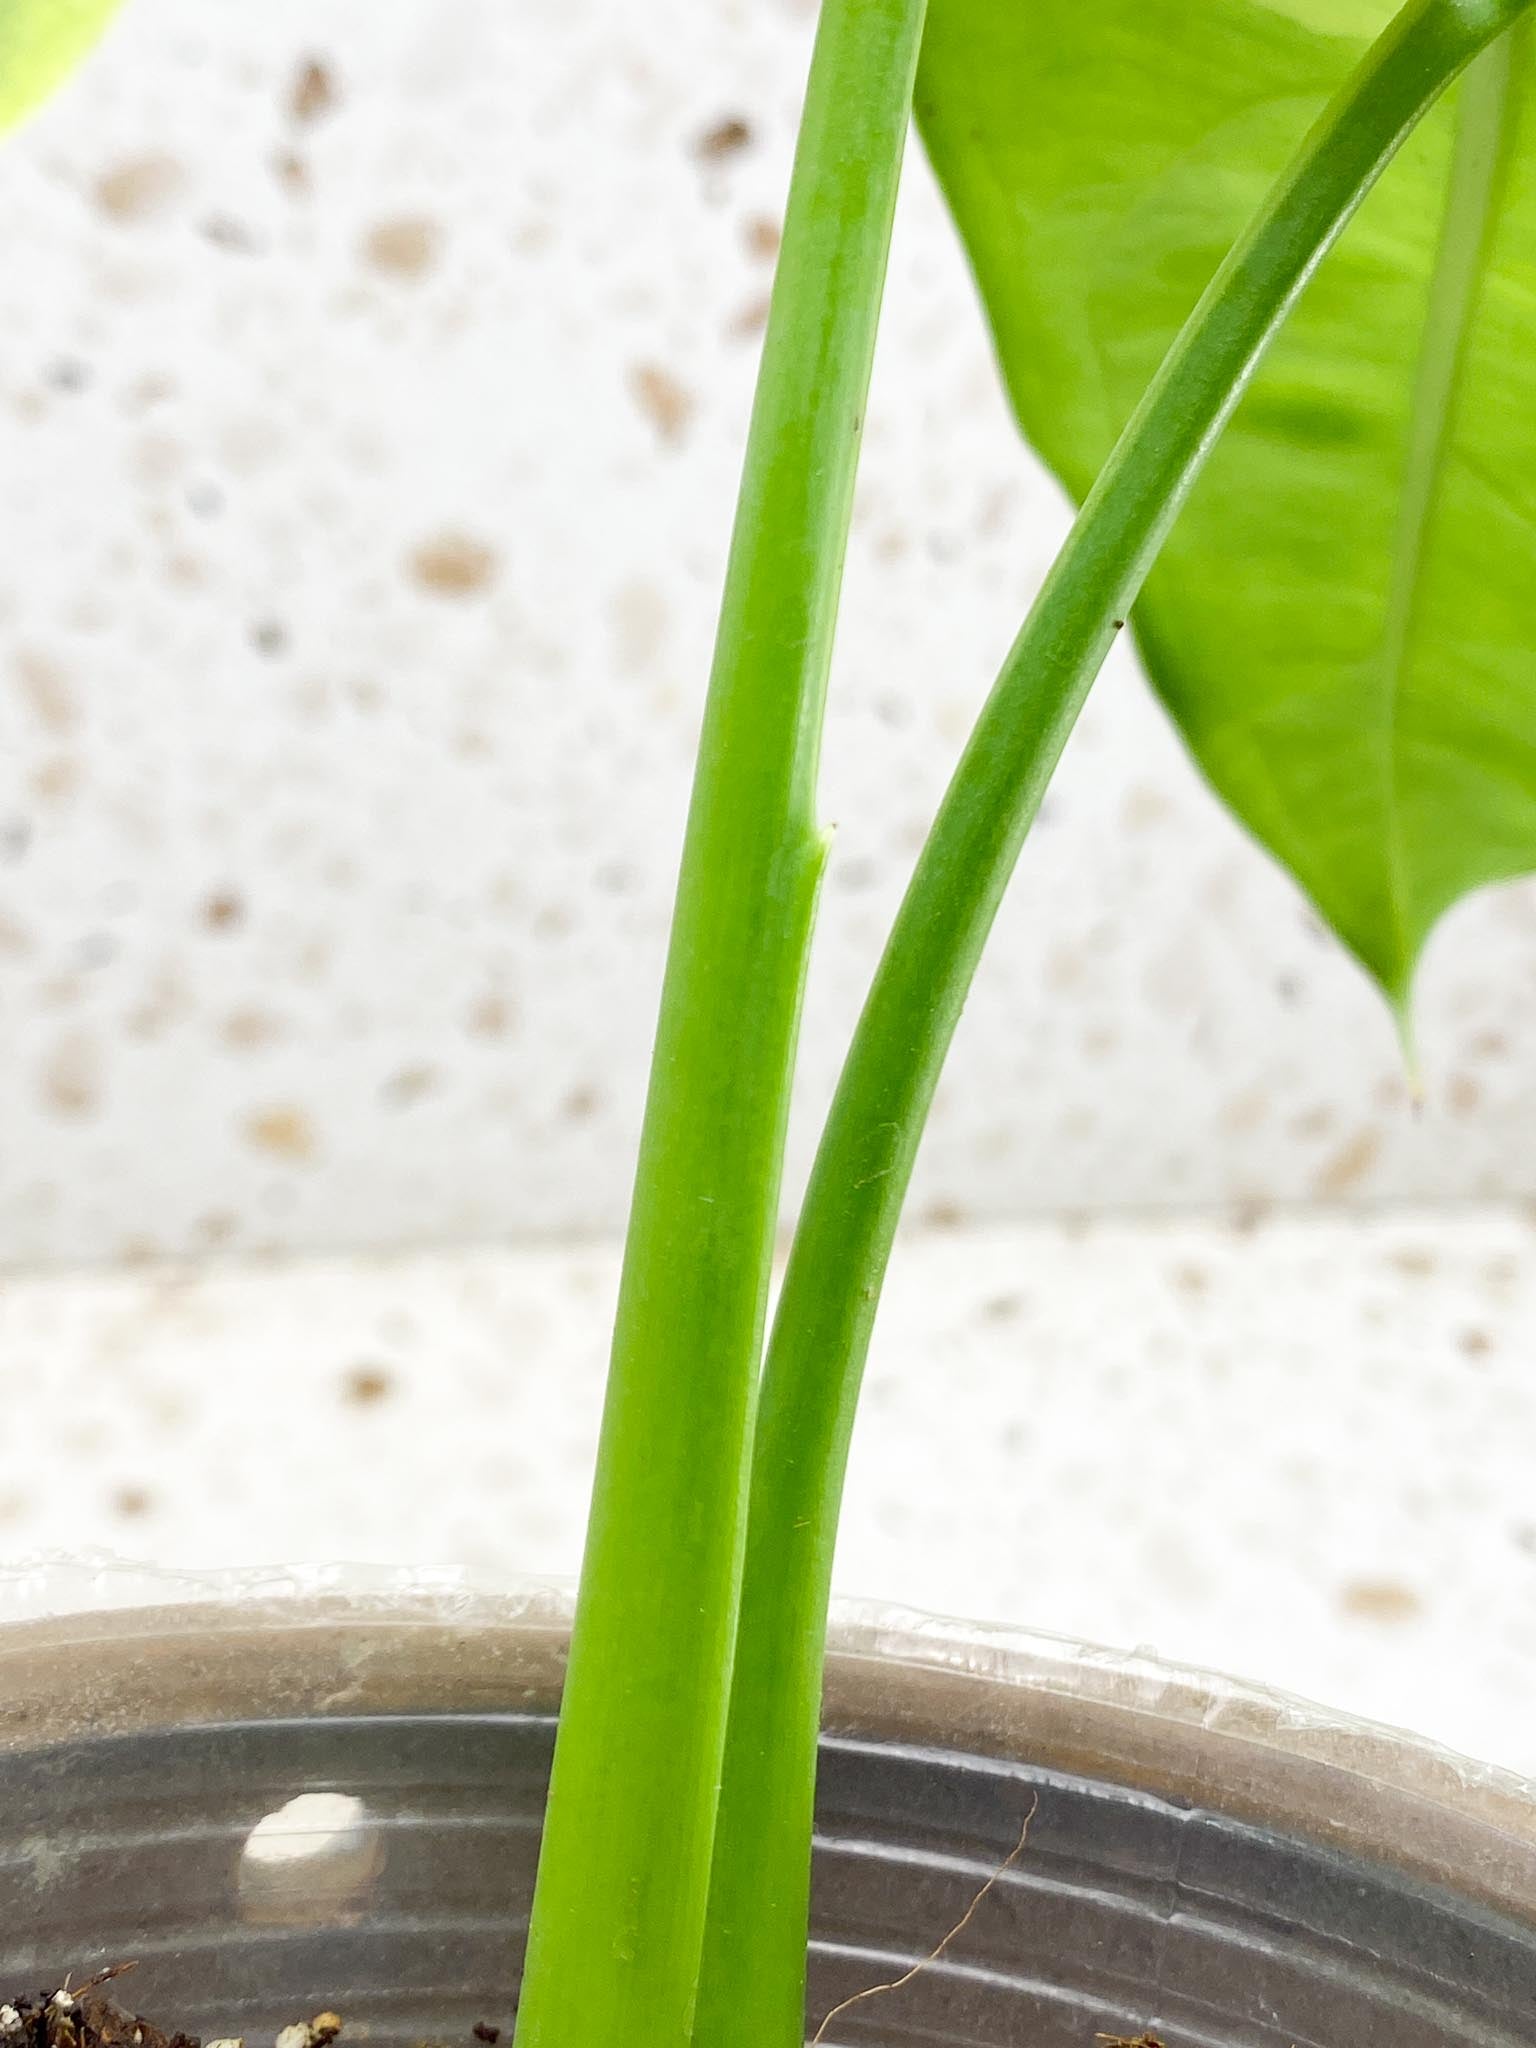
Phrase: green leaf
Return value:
(41, 41)
(1343, 622)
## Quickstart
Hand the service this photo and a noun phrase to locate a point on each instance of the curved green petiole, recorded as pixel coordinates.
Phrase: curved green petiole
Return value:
(752, 1992)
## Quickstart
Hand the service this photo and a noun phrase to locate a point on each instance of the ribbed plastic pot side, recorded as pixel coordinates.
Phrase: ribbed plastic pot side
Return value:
(276, 1804)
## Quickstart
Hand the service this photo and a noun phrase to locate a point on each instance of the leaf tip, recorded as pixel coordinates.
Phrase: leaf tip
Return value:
(1401, 1002)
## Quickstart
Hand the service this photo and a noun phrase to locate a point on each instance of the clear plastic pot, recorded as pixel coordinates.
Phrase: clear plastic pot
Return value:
(1222, 1867)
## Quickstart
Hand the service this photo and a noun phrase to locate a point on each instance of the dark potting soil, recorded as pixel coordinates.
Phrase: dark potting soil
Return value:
(86, 2016)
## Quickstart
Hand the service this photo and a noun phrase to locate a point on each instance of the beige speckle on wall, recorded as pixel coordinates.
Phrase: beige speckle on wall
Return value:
(664, 399)
(283, 1131)
(137, 187)
(44, 686)
(72, 1077)
(402, 248)
(313, 91)
(1386, 1601)
(453, 565)
(1347, 1167)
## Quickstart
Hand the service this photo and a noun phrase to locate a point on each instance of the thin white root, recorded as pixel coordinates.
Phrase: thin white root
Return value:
(926, 1962)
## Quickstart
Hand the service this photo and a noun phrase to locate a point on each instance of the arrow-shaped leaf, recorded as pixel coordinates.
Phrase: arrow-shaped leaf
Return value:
(1344, 621)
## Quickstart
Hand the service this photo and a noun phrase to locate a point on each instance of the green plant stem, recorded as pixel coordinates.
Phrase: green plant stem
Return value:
(752, 1990)
(617, 1927)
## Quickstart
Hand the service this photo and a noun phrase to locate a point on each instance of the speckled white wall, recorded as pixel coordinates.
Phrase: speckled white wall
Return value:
(372, 384)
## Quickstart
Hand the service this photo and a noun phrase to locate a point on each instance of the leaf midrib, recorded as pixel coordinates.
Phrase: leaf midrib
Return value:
(1483, 119)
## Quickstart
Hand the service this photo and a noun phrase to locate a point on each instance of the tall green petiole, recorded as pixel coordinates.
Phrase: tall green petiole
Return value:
(752, 1992)
(618, 1919)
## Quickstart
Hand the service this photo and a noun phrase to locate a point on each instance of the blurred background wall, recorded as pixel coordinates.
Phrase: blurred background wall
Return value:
(371, 394)
(372, 386)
